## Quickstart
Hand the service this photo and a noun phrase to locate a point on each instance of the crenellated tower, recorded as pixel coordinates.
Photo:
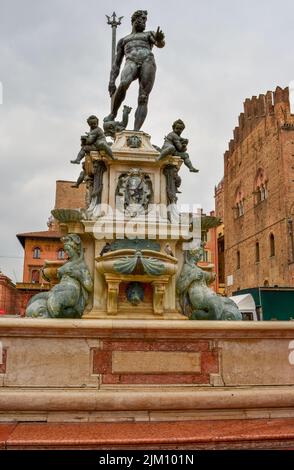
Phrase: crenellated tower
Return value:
(259, 194)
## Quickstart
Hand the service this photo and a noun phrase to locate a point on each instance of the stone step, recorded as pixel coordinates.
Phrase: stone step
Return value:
(221, 434)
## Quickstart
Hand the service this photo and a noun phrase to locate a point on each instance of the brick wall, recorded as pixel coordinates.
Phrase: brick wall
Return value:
(219, 200)
(264, 140)
(67, 197)
(211, 248)
(8, 296)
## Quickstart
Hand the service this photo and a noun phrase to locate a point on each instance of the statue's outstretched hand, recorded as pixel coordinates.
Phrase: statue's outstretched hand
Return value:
(111, 88)
(159, 35)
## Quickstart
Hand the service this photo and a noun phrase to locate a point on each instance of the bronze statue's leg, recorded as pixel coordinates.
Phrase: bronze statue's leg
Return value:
(79, 180)
(80, 156)
(167, 150)
(106, 148)
(188, 163)
(146, 79)
(128, 74)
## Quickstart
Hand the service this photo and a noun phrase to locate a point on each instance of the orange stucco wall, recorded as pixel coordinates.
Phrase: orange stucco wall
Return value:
(49, 250)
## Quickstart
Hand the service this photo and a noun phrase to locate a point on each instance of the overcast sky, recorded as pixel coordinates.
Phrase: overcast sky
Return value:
(54, 68)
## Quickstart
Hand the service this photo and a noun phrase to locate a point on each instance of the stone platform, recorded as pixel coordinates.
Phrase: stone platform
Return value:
(122, 370)
(275, 434)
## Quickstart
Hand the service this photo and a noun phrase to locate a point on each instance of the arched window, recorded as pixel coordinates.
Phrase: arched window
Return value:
(238, 260)
(239, 203)
(263, 192)
(240, 208)
(257, 253)
(35, 276)
(36, 253)
(61, 254)
(272, 245)
(205, 256)
(260, 186)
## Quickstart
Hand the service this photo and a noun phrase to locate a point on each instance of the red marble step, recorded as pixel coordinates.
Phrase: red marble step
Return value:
(5, 432)
(252, 433)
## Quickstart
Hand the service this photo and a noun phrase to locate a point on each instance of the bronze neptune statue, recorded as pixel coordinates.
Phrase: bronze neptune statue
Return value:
(140, 64)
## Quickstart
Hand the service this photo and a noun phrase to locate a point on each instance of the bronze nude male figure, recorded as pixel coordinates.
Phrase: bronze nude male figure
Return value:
(140, 64)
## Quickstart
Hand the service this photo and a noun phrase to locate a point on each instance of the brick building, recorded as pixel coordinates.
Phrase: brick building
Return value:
(45, 245)
(258, 193)
(220, 237)
(68, 197)
(9, 301)
(209, 261)
(39, 246)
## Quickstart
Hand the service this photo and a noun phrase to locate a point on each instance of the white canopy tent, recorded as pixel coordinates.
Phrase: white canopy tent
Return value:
(246, 304)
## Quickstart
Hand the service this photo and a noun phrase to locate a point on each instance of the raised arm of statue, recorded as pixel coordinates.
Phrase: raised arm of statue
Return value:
(116, 66)
(157, 38)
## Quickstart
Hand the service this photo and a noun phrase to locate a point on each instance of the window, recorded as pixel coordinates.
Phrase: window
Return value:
(261, 193)
(238, 259)
(205, 256)
(239, 203)
(240, 208)
(257, 253)
(260, 187)
(35, 276)
(60, 254)
(36, 253)
(272, 245)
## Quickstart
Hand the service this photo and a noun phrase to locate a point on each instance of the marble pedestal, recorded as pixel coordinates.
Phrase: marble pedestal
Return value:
(119, 370)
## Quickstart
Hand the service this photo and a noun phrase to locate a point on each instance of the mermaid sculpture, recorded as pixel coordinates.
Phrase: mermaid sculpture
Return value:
(69, 298)
(197, 300)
